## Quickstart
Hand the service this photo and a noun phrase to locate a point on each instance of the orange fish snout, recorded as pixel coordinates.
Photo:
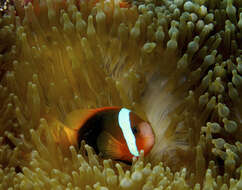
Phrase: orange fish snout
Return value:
(145, 138)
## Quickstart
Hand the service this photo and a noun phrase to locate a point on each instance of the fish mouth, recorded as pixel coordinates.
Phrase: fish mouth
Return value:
(148, 143)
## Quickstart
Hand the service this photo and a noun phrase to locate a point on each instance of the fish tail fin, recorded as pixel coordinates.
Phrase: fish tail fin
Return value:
(61, 133)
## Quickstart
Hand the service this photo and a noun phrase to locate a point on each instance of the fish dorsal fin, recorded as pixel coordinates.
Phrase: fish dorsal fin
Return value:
(77, 118)
(109, 146)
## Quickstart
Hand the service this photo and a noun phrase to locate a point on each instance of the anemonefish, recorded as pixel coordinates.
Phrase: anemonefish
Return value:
(115, 132)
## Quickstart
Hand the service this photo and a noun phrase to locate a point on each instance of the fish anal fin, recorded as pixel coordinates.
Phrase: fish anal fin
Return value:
(109, 146)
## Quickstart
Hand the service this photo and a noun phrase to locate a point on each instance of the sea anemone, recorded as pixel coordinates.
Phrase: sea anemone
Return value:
(176, 63)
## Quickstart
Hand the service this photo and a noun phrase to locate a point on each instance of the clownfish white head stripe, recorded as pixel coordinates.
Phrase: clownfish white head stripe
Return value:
(124, 123)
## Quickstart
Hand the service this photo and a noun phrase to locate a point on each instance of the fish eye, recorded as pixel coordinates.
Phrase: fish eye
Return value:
(134, 130)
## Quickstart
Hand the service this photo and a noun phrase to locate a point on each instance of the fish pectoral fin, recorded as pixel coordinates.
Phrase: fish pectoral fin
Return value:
(109, 146)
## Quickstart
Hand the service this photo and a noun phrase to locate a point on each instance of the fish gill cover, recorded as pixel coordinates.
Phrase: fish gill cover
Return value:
(178, 63)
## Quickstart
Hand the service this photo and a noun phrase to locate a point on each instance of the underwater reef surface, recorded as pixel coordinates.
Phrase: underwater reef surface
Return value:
(177, 63)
